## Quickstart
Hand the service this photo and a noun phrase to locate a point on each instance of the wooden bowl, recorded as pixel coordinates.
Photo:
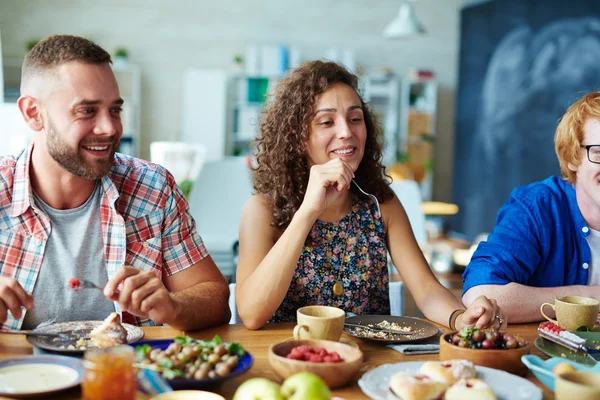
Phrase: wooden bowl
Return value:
(334, 374)
(508, 360)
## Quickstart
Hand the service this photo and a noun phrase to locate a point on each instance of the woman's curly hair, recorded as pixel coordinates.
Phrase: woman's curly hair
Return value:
(282, 171)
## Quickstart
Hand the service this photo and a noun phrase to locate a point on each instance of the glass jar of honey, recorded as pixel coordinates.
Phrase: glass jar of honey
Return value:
(109, 374)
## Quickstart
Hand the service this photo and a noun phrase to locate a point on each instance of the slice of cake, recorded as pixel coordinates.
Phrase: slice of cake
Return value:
(109, 333)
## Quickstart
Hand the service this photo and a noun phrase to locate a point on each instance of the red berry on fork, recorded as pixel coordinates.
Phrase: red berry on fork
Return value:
(74, 284)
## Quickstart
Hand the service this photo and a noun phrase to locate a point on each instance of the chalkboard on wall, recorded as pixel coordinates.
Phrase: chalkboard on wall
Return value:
(522, 63)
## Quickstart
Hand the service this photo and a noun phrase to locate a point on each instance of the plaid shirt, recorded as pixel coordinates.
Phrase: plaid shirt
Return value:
(145, 223)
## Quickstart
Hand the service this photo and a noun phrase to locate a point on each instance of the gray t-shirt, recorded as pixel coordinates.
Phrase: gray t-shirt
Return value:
(74, 249)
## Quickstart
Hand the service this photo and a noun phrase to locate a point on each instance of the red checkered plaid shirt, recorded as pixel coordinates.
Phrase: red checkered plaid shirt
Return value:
(145, 223)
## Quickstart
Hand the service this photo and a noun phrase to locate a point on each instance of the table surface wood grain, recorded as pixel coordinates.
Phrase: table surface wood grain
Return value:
(258, 342)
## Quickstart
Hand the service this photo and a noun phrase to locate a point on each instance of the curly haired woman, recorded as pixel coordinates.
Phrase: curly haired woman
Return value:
(310, 235)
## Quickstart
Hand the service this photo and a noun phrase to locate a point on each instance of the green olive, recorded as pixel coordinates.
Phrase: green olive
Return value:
(220, 350)
(188, 351)
(205, 366)
(213, 358)
(155, 354)
(201, 374)
(222, 369)
(232, 361)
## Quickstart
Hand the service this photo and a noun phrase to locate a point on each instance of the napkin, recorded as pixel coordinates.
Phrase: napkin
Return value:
(427, 346)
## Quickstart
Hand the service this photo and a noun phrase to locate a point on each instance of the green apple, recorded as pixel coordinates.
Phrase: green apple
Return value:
(258, 389)
(305, 386)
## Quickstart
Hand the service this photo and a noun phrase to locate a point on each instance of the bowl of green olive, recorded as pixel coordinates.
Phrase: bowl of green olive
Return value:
(188, 363)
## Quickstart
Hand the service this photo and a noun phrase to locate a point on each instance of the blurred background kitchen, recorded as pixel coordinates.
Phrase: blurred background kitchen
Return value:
(469, 93)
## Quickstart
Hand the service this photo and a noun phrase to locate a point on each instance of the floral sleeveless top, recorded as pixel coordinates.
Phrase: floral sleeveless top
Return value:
(352, 251)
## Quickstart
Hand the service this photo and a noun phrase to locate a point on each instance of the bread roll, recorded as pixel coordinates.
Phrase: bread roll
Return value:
(470, 389)
(109, 333)
(450, 371)
(408, 386)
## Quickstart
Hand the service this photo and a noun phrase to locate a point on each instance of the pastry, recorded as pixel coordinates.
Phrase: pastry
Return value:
(450, 371)
(470, 389)
(407, 386)
(109, 333)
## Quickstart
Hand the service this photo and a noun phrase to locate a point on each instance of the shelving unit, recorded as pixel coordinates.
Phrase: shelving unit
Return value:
(11, 79)
(129, 78)
(248, 96)
(407, 109)
(419, 119)
(382, 92)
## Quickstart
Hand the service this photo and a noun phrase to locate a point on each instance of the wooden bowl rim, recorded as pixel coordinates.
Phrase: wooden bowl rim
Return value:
(357, 353)
(444, 342)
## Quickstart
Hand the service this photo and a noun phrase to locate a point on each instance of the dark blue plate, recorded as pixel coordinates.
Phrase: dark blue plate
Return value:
(244, 365)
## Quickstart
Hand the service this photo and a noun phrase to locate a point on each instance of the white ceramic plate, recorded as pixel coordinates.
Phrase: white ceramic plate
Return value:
(37, 375)
(506, 386)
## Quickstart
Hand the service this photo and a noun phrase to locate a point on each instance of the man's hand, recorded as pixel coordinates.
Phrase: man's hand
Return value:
(12, 298)
(142, 294)
(483, 313)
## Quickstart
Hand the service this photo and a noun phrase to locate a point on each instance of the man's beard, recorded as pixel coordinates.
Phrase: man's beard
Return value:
(73, 161)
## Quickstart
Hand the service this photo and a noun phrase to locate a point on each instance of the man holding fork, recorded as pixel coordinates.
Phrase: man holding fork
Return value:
(70, 206)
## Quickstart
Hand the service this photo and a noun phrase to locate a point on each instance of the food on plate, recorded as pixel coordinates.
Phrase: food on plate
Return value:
(192, 359)
(377, 334)
(300, 386)
(407, 386)
(394, 326)
(488, 339)
(563, 368)
(449, 372)
(318, 355)
(470, 389)
(548, 328)
(74, 284)
(109, 333)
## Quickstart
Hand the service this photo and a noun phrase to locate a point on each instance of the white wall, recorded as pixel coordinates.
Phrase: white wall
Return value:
(166, 37)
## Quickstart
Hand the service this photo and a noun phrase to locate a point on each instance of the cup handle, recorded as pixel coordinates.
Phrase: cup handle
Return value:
(545, 316)
(297, 330)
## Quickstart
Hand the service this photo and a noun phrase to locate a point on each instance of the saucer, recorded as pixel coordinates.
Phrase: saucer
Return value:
(343, 340)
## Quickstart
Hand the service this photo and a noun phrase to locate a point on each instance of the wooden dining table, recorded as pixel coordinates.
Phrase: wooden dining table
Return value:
(257, 343)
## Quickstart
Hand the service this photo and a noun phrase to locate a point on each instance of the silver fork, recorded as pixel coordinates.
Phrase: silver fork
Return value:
(63, 335)
(85, 284)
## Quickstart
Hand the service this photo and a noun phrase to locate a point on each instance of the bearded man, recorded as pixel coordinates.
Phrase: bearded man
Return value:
(71, 206)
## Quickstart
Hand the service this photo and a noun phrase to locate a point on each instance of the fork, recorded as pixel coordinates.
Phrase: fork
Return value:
(85, 284)
(378, 329)
(63, 335)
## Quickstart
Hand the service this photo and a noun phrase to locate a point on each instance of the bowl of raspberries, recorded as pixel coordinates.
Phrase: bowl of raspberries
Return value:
(336, 363)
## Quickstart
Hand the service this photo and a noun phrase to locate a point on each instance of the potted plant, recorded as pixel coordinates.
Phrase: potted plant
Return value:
(121, 55)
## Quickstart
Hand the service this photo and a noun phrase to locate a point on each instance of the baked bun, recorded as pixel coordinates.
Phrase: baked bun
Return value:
(470, 389)
(449, 371)
(109, 333)
(408, 386)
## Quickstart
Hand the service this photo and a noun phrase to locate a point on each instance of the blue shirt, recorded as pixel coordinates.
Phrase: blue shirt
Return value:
(539, 240)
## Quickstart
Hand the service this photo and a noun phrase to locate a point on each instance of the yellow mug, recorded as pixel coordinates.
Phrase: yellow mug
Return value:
(319, 322)
(580, 385)
(573, 312)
